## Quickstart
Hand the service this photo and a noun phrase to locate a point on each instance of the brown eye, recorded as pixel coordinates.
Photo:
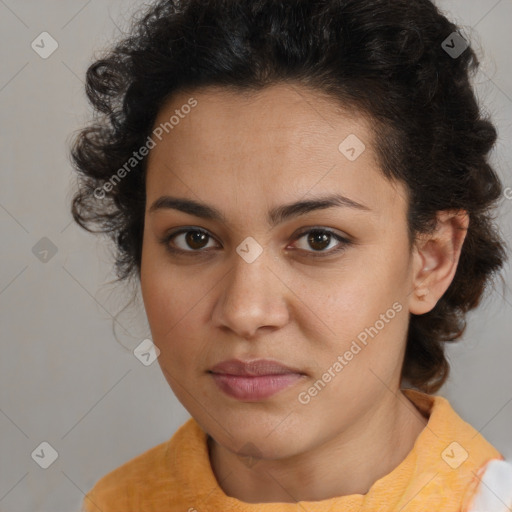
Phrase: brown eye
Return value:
(195, 239)
(187, 240)
(320, 239)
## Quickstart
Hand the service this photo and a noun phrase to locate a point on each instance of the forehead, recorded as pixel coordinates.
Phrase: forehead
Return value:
(282, 140)
(281, 114)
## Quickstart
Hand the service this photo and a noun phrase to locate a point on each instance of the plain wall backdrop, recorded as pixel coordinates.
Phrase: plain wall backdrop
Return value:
(65, 378)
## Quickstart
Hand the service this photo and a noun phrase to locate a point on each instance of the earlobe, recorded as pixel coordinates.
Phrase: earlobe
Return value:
(422, 291)
(420, 301)
(437, 257)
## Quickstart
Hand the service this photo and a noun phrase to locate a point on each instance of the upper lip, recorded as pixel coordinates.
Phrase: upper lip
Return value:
(252, 368)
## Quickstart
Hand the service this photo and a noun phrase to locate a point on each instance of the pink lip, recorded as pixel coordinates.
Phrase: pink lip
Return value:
(254, 388)
(254, 380)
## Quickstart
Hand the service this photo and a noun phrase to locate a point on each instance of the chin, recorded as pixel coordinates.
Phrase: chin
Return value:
(258, 440)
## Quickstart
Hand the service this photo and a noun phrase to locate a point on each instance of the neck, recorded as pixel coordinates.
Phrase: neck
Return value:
(347, 463)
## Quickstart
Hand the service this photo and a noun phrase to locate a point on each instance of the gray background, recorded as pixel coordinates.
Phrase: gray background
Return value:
(64, 377)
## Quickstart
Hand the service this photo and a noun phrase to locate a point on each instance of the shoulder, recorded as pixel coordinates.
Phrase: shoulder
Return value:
(492, 489)
(121, 485)
(153, 478)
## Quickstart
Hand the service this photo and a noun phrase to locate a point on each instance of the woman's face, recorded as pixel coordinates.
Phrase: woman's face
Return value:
(259, 283)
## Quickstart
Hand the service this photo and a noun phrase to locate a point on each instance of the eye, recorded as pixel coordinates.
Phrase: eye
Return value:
(319, 239)
(195, 241)
(188, 240)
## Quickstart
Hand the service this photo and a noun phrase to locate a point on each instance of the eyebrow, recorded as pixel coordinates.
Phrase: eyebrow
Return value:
(275, 216)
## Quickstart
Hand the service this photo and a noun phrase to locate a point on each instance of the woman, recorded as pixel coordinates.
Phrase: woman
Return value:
(303, 191)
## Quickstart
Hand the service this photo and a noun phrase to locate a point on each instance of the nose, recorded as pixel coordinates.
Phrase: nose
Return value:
(252, 297)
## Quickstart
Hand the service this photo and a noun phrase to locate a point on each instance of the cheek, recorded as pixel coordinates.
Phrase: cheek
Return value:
(170, 299)
(362, 314)
(176, 309)
(353, 298)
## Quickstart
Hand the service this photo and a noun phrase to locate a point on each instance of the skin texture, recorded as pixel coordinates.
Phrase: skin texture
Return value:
(245, 154)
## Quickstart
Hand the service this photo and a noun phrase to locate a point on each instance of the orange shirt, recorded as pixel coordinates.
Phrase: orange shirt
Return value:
(440, 473)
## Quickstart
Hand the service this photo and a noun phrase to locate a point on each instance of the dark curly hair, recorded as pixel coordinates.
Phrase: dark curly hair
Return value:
(388, 59)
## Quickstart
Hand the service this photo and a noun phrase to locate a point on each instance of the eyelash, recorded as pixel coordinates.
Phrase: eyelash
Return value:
(344, 242)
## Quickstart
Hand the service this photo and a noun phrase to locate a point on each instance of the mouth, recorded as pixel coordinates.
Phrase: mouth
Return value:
(256, 368)
(254, 380)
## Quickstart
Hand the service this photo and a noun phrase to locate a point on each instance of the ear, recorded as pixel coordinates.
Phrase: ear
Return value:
(435, 260)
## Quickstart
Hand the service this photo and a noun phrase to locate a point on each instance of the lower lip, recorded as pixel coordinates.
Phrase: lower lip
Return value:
(254, 388)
